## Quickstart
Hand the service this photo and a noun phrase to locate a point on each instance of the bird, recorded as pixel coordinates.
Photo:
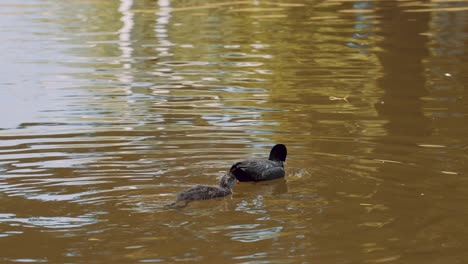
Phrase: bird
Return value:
(205, 192)
(261, 169)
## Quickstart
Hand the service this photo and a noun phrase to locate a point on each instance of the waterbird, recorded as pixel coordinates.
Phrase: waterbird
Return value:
(262, 169)
(205, 192)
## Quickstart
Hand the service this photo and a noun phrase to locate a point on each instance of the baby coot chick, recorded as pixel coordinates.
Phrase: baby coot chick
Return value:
(206, 192)
(262, 169)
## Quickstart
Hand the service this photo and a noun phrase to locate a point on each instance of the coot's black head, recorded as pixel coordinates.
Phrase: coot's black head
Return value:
(278, 153)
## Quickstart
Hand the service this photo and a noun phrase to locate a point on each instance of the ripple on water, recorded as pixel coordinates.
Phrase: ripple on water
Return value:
(117, 113)
(58, 222)
(28, 260)
(255, 234)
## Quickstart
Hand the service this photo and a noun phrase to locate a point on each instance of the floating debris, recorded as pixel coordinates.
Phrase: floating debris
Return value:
(334, 98)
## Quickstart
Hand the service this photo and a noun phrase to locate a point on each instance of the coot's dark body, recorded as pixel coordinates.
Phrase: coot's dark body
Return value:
(205, 192)
(262, 169)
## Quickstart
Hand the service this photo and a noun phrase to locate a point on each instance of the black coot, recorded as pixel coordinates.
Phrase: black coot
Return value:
(262, 169)
(205, 192)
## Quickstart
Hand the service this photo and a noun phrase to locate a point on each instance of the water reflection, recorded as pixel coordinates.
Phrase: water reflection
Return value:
(125, 40)
(47, 222)
(111, 108)
(255, 235)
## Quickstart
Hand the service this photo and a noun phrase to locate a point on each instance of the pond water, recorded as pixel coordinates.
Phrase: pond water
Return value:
(108, 109)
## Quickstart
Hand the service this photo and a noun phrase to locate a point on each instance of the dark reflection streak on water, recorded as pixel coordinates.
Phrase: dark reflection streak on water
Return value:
(398, 75)
(408, 71)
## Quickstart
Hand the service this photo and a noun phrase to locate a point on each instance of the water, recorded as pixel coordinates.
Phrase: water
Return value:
(110, 108)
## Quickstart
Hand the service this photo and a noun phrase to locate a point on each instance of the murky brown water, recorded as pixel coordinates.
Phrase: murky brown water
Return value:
(110, 108)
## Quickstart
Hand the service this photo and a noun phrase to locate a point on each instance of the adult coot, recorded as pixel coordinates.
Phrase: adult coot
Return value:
(262, 169)
(205, 192)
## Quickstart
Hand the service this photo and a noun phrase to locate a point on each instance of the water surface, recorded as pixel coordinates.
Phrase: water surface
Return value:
(110, 108)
